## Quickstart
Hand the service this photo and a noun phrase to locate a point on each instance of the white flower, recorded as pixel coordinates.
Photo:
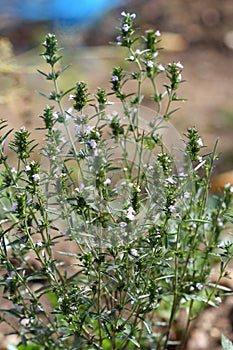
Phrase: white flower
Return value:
(125, 27)
(138, 52)
(228, 185)
(171, 208)
(179, 78)
(199, 142)
(13, 170)
(14, 207)
(71, 97)
(27, 168)
(36, 177)
(92, 144)
(107, 181)
(150, 64)
(218, 300)
(80, 188)
(130, 214)
(123, 224)
(161, 67)
(39, 243)
(199, 286)
(170, 180)
(55, 115)
(157, 33)
(179, 65)
(220, 223)
(114, 78)
(88, 130)
(134, 252)
(132, 15)
(131, 58)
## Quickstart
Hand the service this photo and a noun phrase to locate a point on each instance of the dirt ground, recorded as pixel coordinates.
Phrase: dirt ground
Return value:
(204, 45)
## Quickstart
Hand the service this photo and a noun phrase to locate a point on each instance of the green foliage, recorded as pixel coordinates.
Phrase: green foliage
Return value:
(133, 208)
(226, 343)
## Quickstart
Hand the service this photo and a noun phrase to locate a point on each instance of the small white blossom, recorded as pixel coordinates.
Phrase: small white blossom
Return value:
(161, 67)
(13, 170)
(199, 142)
(150, 64)
(36, 177)
(179, 65)
(71, 97)
(27, 168)
(171, 208)
(220, 223)
(60, 300)
(132, 15)
(114, 78)
(157, 33)
(92, 144)
(80, 188)
(39, 243)
(123, 224)
(134, 252)
(199, 286)
(138, 52)
(22, 246)
(107, 181)
(179, 78)
(228, 185)
(170, 180)
(73, 308)
(12, 274)
(131, 58)
(88, 130)
(218, 300)
(55, 115)
(130, 214)
(14, 207)
(125, 27)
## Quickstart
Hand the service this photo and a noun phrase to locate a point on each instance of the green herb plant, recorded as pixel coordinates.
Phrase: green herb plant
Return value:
(110, 237)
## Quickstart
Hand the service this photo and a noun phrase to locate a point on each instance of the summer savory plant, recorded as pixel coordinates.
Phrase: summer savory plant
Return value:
(110, 237)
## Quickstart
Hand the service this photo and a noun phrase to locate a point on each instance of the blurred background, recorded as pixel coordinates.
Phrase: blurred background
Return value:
(198, 33)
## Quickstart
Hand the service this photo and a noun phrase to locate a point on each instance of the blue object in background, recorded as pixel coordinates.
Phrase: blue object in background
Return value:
(80, 12)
